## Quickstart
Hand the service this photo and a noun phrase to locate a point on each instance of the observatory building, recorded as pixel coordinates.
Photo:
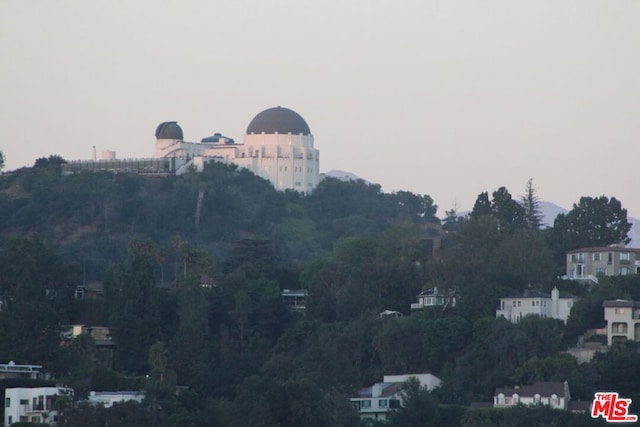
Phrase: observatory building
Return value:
(277, 146)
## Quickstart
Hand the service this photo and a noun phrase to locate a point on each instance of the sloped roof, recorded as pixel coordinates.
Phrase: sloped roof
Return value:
(605, 249)
(621, 303)
(544, 389)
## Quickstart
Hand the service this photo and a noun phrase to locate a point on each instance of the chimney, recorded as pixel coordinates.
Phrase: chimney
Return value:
(376, 390)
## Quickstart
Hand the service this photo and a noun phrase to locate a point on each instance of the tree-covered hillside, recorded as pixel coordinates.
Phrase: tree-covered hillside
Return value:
(193, 269)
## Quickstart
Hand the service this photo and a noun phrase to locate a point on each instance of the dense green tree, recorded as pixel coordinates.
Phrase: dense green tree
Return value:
(135, 308)
(506, 210)
(523, 258)
(31, 270)
(523, 416)
(52, 160)
(531, 204)
(418, 407)
(482, 206)
(558, 367)
(125, 414)
(452, 220)
(30, 333)
(77, 364)
(598, 221)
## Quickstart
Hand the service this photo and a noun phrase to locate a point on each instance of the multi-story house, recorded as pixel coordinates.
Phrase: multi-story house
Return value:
(11, 370)
(586, 264)
(553, 394)
(536, 303)
(623, 320)
(376, 401)
(32, 405)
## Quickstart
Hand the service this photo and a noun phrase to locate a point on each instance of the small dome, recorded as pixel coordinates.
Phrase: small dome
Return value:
(218, 137)
(169, 130)
(278, 120)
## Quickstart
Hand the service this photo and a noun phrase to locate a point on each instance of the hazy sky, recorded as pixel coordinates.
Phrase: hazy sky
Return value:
(446, 98)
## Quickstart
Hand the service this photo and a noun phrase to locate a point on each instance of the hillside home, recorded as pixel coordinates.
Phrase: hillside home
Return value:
(109, 398)
(435, 298)
(374, 402)
(536, 303)
(295, 300)
(553, 394)
(11, 370)
(623, 320)
(91, 290)
(586, 264)
(390, 313)
(32, 405)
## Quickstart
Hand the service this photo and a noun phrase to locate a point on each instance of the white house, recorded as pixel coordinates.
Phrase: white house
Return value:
(374, 402)
(108, 398)
(553, 394)
(536, 303)
(34, 405)
(623, 320)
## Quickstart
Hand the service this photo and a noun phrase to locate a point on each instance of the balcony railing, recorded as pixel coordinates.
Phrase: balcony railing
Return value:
(590, 277)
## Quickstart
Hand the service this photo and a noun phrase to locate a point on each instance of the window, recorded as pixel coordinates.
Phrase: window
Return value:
(620, 310)
(24, 401)
(365, 404)
(518, 303)
(577, 257)
(624, 271)
(596, 256)
(382, 403)
(619, 328)
(514, 303)
(602, 271)
(533, 303)
(624, 256)
(7, 402)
